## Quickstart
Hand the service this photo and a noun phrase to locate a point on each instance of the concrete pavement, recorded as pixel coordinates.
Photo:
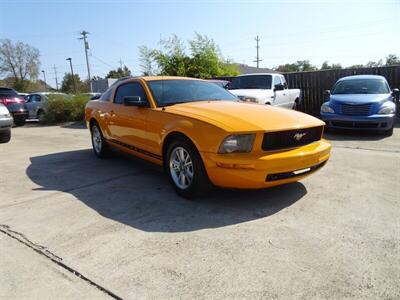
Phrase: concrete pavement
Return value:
(118, 222)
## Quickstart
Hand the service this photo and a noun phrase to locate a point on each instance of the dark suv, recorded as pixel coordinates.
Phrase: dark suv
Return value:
(15, 105)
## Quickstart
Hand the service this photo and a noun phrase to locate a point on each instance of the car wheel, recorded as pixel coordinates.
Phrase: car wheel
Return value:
(40, 116)
(5, 137)
(100, 146)
(388, 132)
(19, 121)
(186, 170)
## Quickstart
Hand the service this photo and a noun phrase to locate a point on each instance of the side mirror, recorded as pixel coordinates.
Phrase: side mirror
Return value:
(134, 101)
(279, 87)
(95, 97)
(327, 94)
(396, 93)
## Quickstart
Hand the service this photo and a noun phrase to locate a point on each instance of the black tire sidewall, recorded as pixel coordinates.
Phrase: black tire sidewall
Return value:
(5, 137)
(200, 184)
(103, 152)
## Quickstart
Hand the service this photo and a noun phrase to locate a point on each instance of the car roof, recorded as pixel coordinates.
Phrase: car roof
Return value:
(255, 74)
(153, 78)
(362, 77)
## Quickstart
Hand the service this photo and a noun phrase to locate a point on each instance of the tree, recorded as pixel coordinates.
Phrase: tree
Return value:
(67, 84)
(374, 64)
(325, 66)
(119, 73)
(19, 61)
(203, 61)
(298, 66)
(147, 61)
(392, 60)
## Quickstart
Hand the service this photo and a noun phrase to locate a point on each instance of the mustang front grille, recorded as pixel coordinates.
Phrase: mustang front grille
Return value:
(291, 138)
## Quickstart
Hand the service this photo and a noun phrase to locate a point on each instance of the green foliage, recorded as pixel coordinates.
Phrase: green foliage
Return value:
(326, 66)
(60, 109)
(67, 84)
(203, 61)
(392, 60)
(119, 73)
(298, 66)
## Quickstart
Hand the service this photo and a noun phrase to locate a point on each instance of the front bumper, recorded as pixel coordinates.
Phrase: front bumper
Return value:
(265, 169)
(6, 123)
(374, 122)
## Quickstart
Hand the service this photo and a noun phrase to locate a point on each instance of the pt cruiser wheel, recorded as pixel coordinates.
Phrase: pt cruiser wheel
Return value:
(100, 147)
(186, 170)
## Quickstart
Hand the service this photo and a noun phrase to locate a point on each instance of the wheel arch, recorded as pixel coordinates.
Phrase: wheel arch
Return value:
(170, 137)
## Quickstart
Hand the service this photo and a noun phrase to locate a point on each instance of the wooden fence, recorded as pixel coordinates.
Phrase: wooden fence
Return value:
(313, 84)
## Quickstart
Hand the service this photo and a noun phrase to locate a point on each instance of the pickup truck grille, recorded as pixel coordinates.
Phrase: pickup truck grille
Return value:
(356, 109)
(291, 138)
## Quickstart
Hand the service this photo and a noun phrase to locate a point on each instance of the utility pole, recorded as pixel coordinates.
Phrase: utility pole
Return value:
(120, 63)
(84, 34)
(45, 83)
(72, 72)
(55, 73)
(258, 50)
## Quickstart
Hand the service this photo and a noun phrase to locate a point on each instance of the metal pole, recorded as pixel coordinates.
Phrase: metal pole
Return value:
(258, 55)
(55, 73)
(72, 72)
(45, 83)
(84, 34)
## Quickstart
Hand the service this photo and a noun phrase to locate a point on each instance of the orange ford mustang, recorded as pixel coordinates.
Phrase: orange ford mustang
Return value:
(203, 136)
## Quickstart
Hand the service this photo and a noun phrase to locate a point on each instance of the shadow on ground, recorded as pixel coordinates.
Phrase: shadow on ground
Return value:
(138, 194)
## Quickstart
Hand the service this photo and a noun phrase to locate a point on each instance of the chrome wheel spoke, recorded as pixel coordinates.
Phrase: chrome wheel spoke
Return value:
(181, 167)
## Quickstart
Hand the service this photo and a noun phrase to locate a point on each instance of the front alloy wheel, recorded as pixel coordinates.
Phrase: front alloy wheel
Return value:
(185, 168)
(181, 167)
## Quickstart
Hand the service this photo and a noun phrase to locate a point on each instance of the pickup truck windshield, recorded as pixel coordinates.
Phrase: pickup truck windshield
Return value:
(361, 86)
(251, 82)
(169, 92)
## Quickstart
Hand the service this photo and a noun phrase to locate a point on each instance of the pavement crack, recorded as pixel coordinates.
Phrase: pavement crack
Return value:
(42, 250)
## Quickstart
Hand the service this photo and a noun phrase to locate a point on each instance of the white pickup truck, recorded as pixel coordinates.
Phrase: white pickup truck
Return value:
(265, 88)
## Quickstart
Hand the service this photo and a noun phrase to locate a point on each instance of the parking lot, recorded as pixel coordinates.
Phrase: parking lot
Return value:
(75, 226)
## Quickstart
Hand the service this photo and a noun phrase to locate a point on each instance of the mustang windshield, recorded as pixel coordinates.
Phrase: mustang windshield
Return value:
(169, 92)
(251, 82)
(361, 86)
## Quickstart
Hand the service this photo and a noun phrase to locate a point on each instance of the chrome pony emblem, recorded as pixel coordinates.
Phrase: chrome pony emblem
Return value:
(299, 136)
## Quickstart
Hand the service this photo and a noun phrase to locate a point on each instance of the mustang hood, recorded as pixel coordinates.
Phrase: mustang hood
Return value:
(244, 117)
(359, 98)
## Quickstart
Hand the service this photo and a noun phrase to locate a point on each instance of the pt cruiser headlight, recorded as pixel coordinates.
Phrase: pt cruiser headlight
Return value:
(237, 143)
(325, 108)
(387, 109)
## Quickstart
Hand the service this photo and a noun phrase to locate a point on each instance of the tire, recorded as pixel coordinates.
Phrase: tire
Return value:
(388, 132)
(19, 120)
(5, 137)
(186, 185)
(40, 116)
(100, 146)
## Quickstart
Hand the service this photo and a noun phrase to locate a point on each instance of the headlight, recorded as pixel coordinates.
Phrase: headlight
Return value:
(387, 109)
(237, 143)
(325, 108)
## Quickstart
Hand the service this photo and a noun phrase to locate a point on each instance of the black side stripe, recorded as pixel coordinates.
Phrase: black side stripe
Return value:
(136, 149)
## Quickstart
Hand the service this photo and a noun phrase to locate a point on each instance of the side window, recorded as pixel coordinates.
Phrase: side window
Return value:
(284, 82)
(106, 95)
(277, 80)
(35, 98)
(129, 89)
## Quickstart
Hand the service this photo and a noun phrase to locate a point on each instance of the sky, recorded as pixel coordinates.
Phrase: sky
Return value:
(340, 31)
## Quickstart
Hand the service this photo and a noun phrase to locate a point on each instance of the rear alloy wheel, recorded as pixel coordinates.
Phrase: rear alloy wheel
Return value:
(100, 146)
(186, 170)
